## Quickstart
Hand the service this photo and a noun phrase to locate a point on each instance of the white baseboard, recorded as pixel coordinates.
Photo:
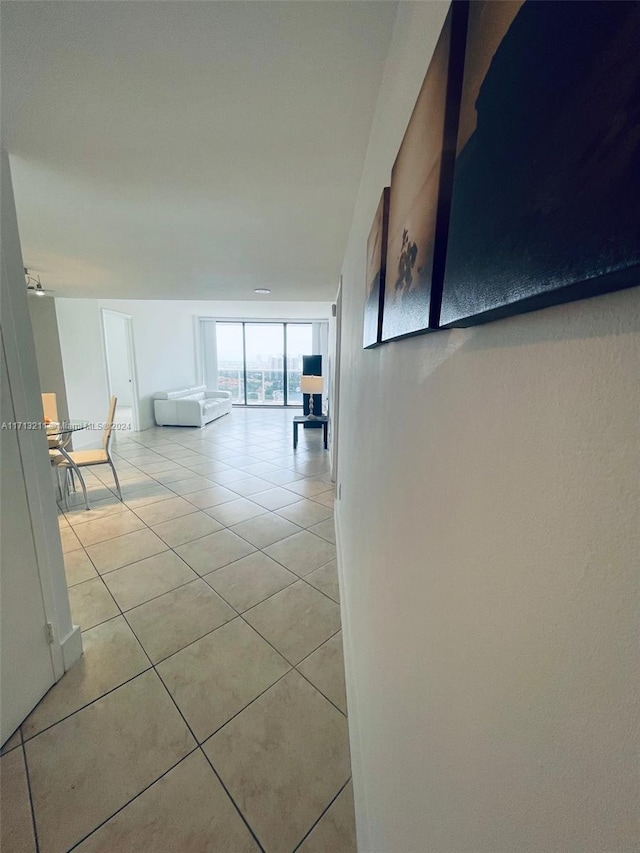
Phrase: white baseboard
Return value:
(72, 647)
(353, 705)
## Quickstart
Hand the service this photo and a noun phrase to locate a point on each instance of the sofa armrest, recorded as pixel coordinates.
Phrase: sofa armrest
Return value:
(217, 395)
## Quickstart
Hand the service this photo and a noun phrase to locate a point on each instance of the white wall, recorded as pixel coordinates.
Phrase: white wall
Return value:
(85, 372)
(33, 593)
(117, 355)
(44, 323)
(488, 532)
(165, 344)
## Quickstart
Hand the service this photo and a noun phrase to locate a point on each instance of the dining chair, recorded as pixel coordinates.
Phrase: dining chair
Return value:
(50, 406)
(102, 456)
(50, 414)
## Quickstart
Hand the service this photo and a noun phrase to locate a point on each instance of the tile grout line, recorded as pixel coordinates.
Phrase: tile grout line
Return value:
(304, 838)
(31, 803)
(128, 803)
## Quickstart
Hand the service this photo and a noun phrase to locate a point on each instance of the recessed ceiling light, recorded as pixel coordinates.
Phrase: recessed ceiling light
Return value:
(261, 290)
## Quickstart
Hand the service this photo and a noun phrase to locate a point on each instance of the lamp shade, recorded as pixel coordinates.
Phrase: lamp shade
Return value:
(311, 384)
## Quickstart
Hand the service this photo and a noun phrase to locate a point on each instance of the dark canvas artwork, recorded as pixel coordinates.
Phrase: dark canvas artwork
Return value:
(421, 189)
(546, 193)
(376, 270)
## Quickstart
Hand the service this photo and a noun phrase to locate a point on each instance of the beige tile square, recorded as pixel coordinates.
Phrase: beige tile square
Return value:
(326, 580)
(190, 484)
(208, 467)
(213, 496)
(336, 829)
(173, 475)
(282, 477)
(144, 487)
(250, 486)
(310, 467)
(112, 655)
(275, 498)
(89, 765)
(164, 510)
(228, 476)
(123, 550)
(156, 467)
(186, 811)
(259, 469)
(69, 540)
(108, 528)
(218, 675)
(296, 620)
(283, 759)
(16, 827)
(99, 509)
(309, 488)
(324, 668)
(265, 529)
(91, 603)
(173, 620)
(78, 567)
(235, 511)
(99, 495)
(326, 529)
(214, 551)
(327, 499)
(250, 580)
(147, 579)
(186, 528)
(147, 496)
(302, 553)
(304, 513)
(11, 743)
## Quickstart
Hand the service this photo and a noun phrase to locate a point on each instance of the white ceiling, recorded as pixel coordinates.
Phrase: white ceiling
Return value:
(190, 150)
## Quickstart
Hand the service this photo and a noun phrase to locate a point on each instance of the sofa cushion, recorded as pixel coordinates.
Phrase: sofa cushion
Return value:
(180, 393)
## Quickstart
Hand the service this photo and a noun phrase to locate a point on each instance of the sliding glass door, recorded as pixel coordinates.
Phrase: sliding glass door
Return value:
(264, 359)
(229, 337)
(261, 363)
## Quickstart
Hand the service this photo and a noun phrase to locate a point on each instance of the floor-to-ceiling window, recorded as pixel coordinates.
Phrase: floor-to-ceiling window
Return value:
(298, 338)
(230, 343)
(261, 363)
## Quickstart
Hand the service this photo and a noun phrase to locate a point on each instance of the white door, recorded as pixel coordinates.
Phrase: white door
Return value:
(118, 344)
(26, 665)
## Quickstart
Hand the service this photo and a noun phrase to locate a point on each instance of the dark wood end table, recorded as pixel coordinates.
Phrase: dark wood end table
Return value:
(319, 419)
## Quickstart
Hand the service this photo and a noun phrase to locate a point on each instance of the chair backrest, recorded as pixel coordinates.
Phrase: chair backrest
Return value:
(106, 435)
(50, 406)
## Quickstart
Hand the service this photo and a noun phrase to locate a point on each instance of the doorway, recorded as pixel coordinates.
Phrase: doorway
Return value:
(120, 362)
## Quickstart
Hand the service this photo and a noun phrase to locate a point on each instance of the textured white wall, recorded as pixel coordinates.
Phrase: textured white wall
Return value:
(42, 311)
(489, 557)
(85, 372)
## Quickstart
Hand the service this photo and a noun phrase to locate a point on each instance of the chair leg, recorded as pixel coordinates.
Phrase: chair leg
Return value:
(115, 477)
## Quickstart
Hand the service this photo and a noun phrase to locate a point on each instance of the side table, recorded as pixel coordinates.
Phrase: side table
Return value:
(319, 419)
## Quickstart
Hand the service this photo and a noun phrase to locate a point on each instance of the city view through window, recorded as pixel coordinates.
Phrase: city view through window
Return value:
(265, 356)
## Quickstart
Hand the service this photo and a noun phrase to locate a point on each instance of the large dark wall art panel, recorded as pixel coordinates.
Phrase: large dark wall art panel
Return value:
(546, 192)
(421, 190)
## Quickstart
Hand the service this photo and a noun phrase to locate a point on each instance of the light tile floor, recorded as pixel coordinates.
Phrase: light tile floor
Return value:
(208, 712)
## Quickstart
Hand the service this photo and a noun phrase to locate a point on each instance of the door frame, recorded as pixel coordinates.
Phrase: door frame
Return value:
(131, 358)
(335, 411)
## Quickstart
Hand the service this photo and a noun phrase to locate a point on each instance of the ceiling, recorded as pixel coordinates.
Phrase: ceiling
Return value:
(189, 150)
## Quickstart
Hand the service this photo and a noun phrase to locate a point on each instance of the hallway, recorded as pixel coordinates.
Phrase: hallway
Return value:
(209, 709)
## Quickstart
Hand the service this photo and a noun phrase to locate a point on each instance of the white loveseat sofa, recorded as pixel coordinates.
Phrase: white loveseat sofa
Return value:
(190, 406)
